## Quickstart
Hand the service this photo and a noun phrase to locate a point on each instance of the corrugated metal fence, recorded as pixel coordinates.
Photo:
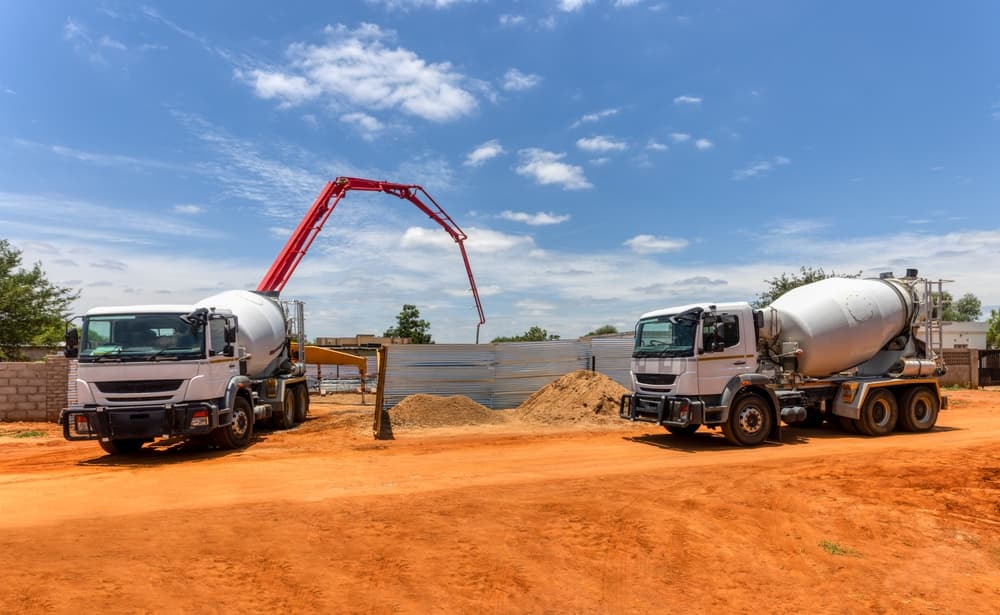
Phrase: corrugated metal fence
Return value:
(498, 376)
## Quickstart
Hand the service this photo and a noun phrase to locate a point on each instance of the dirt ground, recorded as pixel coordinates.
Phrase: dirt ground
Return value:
(518, 516)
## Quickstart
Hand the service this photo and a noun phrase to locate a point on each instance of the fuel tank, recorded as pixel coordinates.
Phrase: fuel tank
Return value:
(261, 328)
(838, 323)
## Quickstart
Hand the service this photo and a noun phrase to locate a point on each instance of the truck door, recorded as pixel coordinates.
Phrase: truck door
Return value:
(722, 352)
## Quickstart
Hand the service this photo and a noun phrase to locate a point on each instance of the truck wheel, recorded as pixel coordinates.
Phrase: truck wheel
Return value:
(682, 431)
(749, 421)
(879, 413)
(919, 410)
(237, 434)
(286, 418)
(116, 447)
(301, 403)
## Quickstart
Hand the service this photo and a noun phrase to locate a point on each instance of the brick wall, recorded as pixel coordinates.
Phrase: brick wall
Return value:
(963, 368)
(34, 391)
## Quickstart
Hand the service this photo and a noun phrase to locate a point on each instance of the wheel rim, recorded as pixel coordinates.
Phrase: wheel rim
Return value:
(240, 422)
(751, 419)
(920, 410)
(880, 413)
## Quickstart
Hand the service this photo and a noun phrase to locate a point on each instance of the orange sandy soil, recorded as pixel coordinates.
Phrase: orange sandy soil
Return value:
(516, 517)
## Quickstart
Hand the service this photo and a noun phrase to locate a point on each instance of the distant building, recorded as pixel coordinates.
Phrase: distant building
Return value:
(970, 335)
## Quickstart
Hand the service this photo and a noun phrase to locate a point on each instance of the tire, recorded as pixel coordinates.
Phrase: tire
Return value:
(848, 424)
(879, 413)
(919, 410)
(286, 418)
(238, 433)
(301, 403)
(750, 421)
(682, 431)
(117, 447)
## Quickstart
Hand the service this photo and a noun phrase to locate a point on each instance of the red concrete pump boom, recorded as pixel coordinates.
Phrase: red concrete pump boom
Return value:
(288, 259)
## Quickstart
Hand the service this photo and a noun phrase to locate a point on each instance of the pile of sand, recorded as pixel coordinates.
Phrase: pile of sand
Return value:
(578, 397)
(422, 410)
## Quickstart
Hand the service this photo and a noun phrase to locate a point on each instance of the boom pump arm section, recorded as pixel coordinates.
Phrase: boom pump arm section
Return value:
(298, 244)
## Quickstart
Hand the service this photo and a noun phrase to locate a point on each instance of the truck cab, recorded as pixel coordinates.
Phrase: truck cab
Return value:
(157, 371)
(693, 350)
(688, 365)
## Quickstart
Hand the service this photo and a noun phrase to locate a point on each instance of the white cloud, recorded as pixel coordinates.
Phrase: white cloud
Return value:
(290, 89)
(188, 209)
(798, 227)
(416, 4)
(536, 219)
(594, 117)
(680, 137)
(570, 6)
(107, 41)
(73, 31)
(626, 3)
(514, 80)
(9, 91)
(483, 241)
(486, 151)
(996, 110)
(656, 146)
(687, 100)
(511, 20)
(368, 126)
(650, 244)
(600, 162)
(703, 144)
(356, 69)
(547, 168)
(600, 143)
(760, 167)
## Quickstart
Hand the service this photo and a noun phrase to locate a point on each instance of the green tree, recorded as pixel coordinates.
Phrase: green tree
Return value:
(782, 284)
(605, 330)
(32, 309)
(534, 334)
(993, 332)
(410, 325)
(965, 309)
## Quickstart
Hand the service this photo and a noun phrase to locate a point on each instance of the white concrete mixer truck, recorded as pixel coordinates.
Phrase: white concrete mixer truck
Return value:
(210, 370)
(857, 352)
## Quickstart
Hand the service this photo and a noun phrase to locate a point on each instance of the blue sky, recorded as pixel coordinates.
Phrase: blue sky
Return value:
(605, 157)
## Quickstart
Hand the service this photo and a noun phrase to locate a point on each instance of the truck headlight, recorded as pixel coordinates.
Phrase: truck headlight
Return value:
(80, 424)
(199, 418)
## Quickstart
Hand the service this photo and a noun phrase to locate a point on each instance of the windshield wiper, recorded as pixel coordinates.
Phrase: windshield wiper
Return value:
(111, 355)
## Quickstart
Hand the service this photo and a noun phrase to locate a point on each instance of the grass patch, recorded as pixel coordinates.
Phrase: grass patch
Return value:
(954, 387)
(26, 433)
(834, 549)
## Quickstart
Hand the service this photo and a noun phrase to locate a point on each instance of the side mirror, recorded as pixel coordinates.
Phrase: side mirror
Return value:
(230, 331)
(72, 342)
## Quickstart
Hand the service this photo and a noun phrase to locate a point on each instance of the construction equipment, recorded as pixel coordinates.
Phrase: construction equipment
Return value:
(302, 238)
(216, 367)
(860, 352)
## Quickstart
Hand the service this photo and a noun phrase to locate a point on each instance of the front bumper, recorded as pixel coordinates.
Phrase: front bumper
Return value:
(662, 409)
(145, 422)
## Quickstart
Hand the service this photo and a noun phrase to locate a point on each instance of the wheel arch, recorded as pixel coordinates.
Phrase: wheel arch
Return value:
(760, 385)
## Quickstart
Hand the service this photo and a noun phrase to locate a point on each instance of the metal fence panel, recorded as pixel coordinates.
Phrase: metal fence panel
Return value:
(498, 376)
(439, 369)
(524, 367)
(613, 358)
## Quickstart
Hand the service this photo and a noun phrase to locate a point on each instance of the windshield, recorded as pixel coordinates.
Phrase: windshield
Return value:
(659, 337)
(140, 337)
